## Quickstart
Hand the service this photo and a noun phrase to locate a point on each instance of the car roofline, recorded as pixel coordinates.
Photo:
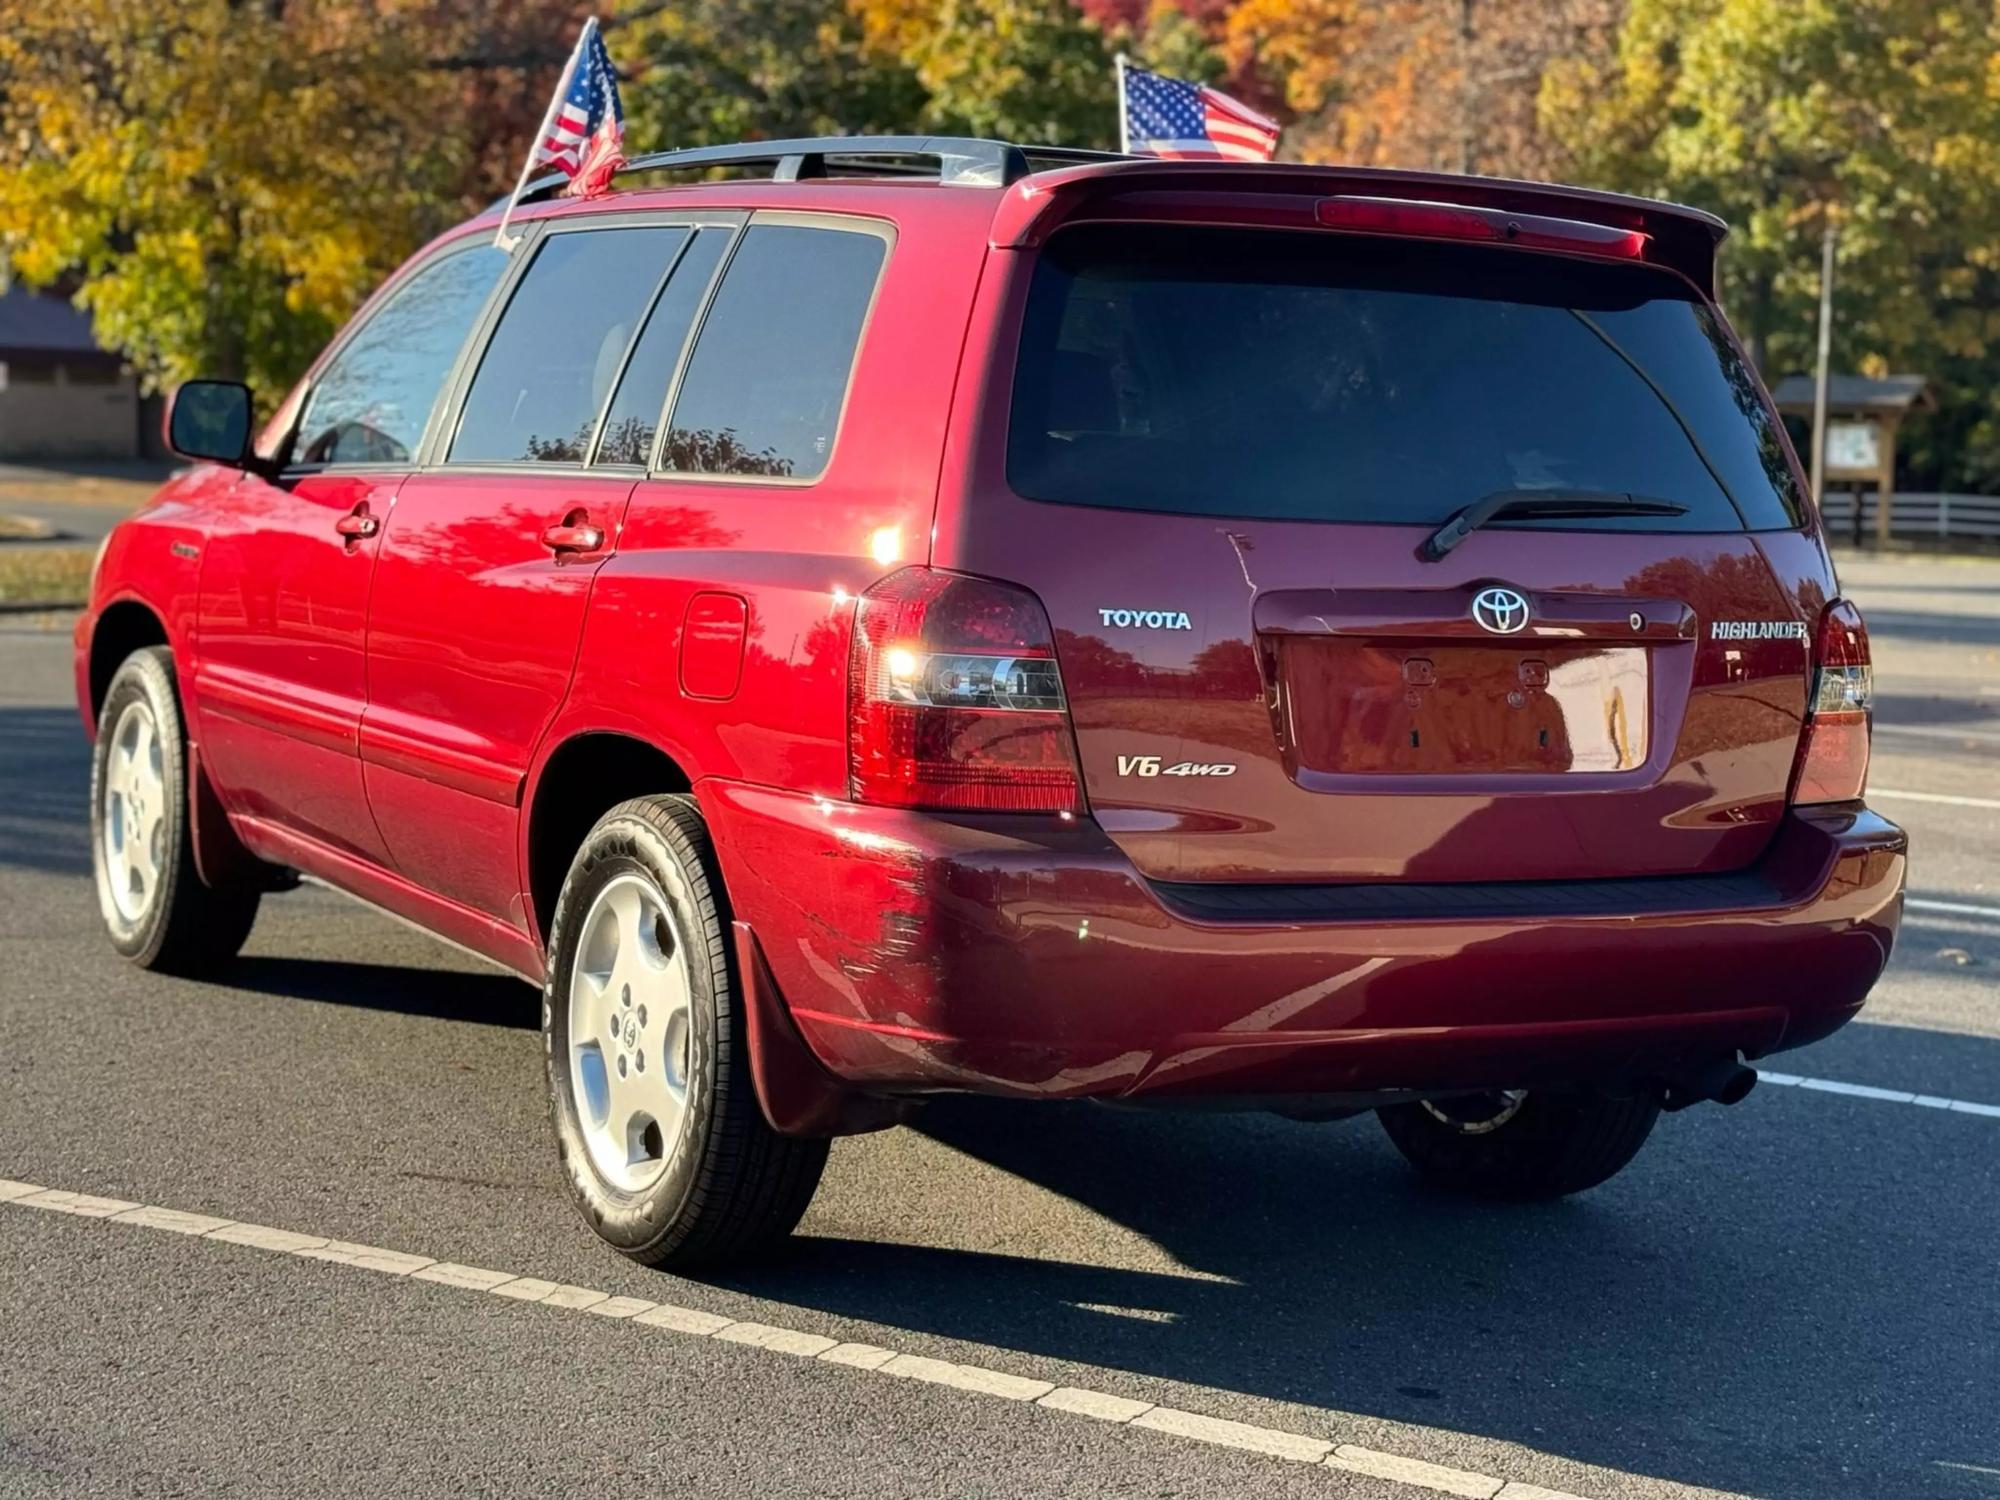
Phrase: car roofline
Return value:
(1036, 188)
(1286, 195)
(1448, 187)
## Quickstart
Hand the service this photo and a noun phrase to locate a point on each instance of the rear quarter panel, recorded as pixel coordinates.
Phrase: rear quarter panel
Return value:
(796, 554)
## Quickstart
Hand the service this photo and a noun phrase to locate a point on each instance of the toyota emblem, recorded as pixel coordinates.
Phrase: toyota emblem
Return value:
(1501, 611)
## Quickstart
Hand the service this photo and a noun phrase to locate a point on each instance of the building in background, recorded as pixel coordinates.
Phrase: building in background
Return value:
(60, 395)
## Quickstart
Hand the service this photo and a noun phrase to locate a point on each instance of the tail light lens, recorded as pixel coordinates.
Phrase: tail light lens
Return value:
(1833, 757)
(955, 699)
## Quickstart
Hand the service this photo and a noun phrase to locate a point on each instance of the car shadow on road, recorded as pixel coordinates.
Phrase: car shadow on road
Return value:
(44, 789)
(1737, 1310)
(491, 999)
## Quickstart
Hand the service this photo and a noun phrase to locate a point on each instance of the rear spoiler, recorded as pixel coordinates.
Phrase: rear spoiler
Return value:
(1285, 197)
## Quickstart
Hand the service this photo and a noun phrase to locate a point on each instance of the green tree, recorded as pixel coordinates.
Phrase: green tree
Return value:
(1022, 70)
(1883, 115)
(701, 72)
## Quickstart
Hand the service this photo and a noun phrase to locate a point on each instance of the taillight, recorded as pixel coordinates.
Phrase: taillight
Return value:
(955, 699)
(1456, 221)
(1833, 756)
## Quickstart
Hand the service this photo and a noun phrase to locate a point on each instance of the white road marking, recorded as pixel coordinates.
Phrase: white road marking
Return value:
(686, 1320)
(1097, 1404)
(1414, 1471)
(1884, 1096)
(525, 1289)
(764, 1336)
(1141, 1314)
(263, 1237)
(81, 1204)
(1101, 1406)
(468, 1278)
(861, 1356)
(367, 1257)
(172, 1219)
(1952, 908)
(575, 1298)
(975, 1378)
(620, 1307)
(1946, 798)
(1227, 1434)
(1938, 731)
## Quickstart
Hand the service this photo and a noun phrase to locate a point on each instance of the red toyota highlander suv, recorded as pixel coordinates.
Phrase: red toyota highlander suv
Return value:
(949, 616)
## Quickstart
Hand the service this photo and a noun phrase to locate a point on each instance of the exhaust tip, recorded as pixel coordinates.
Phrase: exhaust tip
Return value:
(1737, 1086)
(1724, 1080)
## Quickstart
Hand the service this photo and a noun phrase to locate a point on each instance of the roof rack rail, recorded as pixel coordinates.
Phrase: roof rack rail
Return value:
(963, 161)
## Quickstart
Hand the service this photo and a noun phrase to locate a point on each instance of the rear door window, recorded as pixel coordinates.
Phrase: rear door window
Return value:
(634, 417)
(551, 363)
(767, 380)
(1345, 378)
(371, 403)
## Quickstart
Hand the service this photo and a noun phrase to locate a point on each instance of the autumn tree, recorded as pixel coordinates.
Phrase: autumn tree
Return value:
(222, 182)
(1442, 84)
(1882, 116)
(1187, 39)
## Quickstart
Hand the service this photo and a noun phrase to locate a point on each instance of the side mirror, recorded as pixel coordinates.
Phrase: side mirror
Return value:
(210, 419)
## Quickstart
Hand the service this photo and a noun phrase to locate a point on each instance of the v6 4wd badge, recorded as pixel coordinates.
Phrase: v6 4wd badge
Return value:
(1153, 765)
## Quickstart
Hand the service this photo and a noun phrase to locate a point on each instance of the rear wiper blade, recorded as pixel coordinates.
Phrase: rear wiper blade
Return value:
(1540, 503)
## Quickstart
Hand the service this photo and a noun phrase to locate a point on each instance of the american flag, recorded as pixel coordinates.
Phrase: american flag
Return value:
(585, 132)
(1190, 121)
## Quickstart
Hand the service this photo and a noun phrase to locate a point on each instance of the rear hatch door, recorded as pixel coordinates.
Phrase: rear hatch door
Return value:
(1225, 449)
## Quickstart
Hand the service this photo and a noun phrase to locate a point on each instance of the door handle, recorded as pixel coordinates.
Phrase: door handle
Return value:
(357, 525)
(572, 534)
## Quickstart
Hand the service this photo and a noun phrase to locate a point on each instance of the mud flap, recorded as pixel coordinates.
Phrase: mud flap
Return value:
(219, 856)
(796, 1092)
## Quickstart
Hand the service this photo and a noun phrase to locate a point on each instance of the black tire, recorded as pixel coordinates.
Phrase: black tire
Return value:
(1553, 1144)
(731, 1188)
(178, 924)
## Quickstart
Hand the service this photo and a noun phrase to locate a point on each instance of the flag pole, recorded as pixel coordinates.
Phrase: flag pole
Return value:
(1124, 118)
(1819, 373)
(500, 239)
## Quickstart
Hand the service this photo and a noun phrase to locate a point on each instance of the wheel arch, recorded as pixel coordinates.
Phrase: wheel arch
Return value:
(129, 624)
(580, 779)
(122, 627)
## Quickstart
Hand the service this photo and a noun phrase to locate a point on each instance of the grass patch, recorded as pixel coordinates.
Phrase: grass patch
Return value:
(45, 575)
(38, 487)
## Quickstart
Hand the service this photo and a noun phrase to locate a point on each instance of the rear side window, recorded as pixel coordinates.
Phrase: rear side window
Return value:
(550, 364)
(642, 390)
(1341, 378)
(768, 377)
(373, 401)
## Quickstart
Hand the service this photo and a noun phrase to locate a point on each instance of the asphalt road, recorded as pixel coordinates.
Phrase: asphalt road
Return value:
(1796, 1297)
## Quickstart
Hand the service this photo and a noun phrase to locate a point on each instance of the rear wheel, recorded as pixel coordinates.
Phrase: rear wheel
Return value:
(1521, 1143)
(657, 1124)
(158, 911)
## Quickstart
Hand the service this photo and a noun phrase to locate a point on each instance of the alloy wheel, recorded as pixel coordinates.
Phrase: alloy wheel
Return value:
(134, 813)
(629, 1033)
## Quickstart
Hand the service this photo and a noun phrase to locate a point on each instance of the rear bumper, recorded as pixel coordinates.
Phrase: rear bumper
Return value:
(1026, 956)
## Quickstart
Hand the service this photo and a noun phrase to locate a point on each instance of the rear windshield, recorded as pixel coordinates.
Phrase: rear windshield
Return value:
(1324, 377)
